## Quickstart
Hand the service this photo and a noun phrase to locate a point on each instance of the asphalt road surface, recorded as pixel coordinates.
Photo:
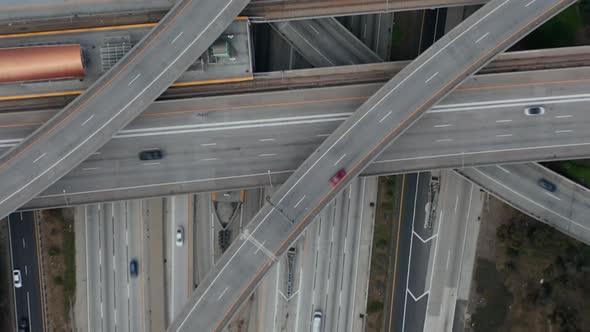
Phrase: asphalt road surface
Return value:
(460, 205)
(455, 133)
(25, 257)
(114, 237)
(329, 256)
(351, 147)
(325, 42)
(179, 214)
(566, 208)
(113, 101)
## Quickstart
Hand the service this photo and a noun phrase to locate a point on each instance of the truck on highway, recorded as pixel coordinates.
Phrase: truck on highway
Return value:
(316, 322)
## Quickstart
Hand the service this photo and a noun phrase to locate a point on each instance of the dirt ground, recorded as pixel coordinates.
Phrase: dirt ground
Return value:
(529, 276)
(55, 224)
(495, 212)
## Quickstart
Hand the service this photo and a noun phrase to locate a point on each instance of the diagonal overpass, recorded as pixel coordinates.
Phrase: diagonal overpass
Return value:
(379, 121)
(113, 101)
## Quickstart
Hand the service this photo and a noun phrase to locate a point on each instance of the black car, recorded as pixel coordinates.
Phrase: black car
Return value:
(133, 268)
(547, 185)
(154, 154)
(23, 325)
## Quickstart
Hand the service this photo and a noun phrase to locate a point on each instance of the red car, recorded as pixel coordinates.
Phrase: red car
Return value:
(336, 178)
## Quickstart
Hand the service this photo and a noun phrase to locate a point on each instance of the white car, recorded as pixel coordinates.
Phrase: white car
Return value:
(179, 236)
(18, 281)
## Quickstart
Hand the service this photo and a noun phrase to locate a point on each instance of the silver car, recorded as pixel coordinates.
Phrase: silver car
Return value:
(179, 236)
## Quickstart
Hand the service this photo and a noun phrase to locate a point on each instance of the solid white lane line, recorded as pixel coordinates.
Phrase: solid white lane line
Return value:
(176, 38)
(504, 135)
(445, 140)
(301, 200)
(553, 196)
(442, 125)
(563, 131)
(501, 121)
(530, 3)
(446, 155)
(562, 116)
(208, 144)
(266, 140)
(431, 77)
(503, 169)
(340, 159)
(482, 37)
(134, 79)
(385, 117)
(267, 154)
(38, 158)
(314, 29)
(90, 118)
(151, 164)
(29, 309)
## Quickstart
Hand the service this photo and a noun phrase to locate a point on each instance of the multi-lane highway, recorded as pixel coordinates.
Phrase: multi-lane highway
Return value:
(293, 206)
(113, 101)
(285, 130)
(451, 262)
(24, 255)
(325, 42)
(113, 237)
(566, 208)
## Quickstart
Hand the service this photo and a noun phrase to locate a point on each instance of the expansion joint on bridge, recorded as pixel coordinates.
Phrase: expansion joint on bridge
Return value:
(259, 245)
(279, 210)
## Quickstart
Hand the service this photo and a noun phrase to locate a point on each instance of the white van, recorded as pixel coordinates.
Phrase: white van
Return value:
(316, 323)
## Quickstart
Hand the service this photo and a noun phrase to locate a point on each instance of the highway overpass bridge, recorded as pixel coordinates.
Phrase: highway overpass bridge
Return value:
(378, 122)
(114, 100)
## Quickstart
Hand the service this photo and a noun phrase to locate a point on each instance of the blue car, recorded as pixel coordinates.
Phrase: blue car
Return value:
(547, 185)
(133, 268)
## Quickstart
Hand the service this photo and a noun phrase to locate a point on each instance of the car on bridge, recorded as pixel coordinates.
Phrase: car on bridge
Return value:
(547, 185)
(338, 177)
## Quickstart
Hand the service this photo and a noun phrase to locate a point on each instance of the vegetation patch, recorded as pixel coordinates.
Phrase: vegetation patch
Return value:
(57, 230)
(381, 253)
(539, 281)
(576, 171)
(560, 31)
(492, 309)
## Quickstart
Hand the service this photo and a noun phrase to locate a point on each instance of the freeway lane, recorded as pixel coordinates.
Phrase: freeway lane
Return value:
(375, 125)
(566, 209)
(325, 42)
(25, 257)
(114, 100)
(237, 138)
